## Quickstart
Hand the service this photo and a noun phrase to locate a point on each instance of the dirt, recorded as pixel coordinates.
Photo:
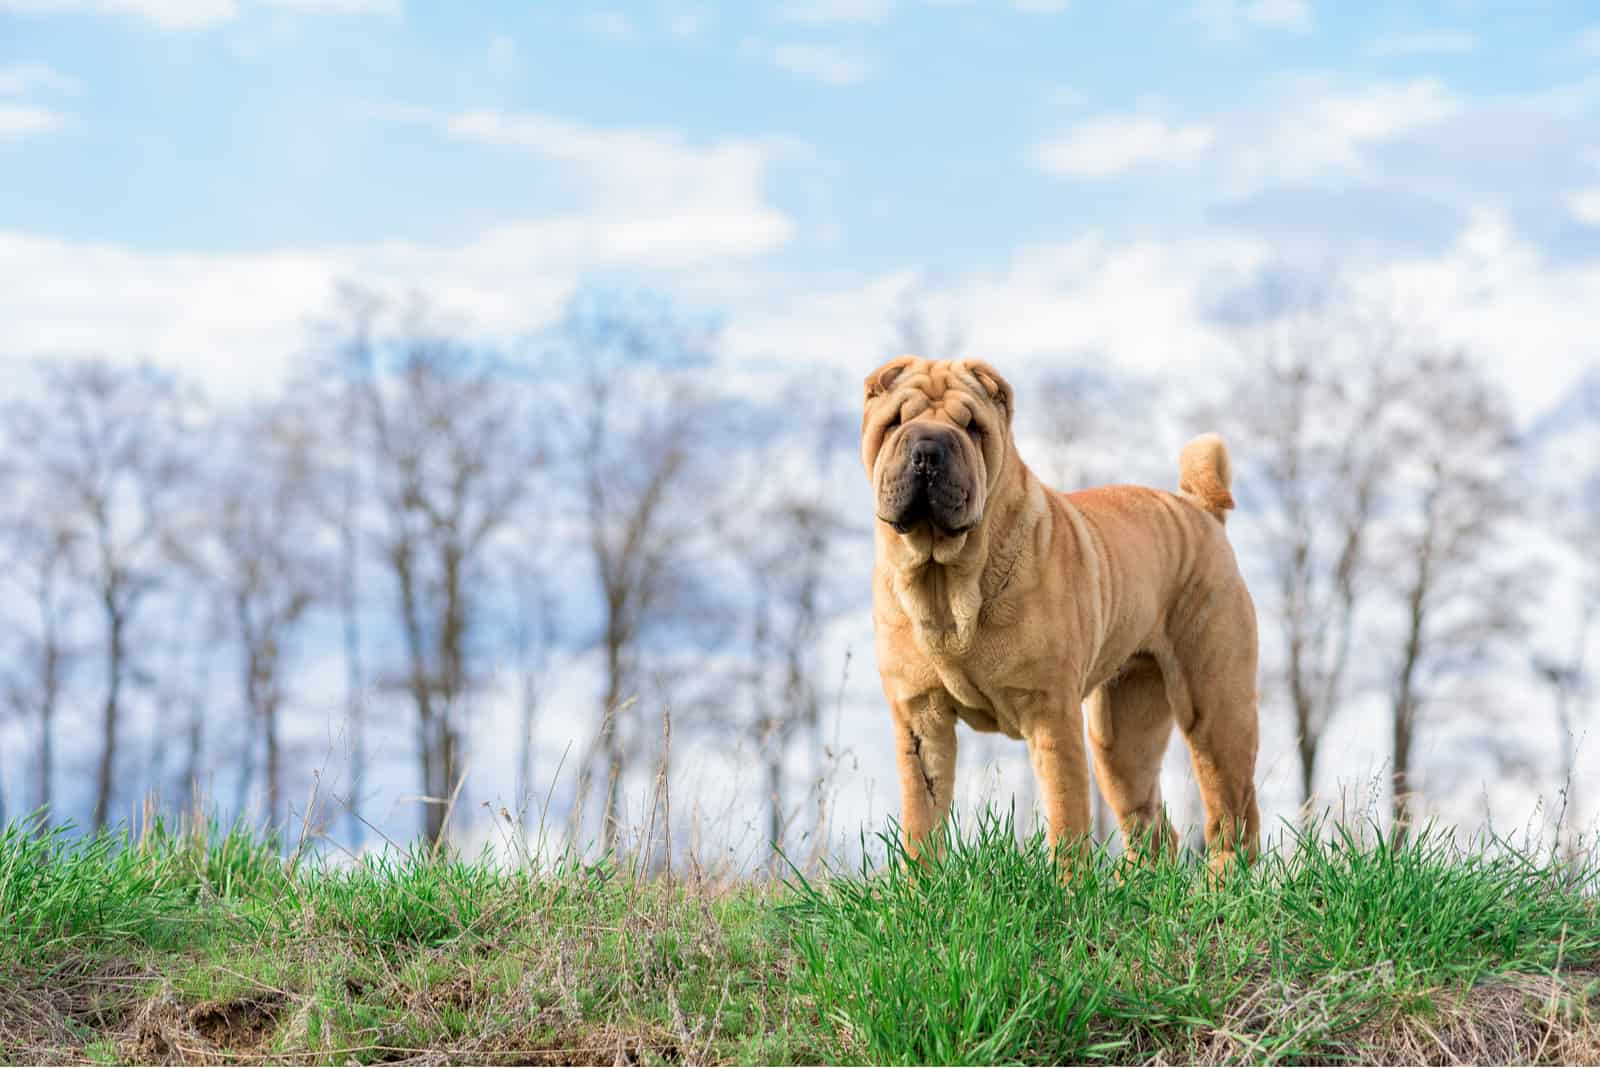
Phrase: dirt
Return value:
(240, 1023)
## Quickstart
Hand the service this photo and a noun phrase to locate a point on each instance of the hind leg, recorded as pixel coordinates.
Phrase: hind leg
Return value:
(1218, 665)
(1130, 722)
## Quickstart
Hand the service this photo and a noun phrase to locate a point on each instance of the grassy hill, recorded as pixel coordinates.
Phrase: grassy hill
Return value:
(211, 948)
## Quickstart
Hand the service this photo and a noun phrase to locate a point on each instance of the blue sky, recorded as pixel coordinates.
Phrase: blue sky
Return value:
(184, 179)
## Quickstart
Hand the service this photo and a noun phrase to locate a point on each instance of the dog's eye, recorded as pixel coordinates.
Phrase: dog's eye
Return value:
(894, 421)
(976, 431)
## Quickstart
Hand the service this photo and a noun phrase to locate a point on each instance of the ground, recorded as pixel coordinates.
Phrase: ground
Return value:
(211, 947)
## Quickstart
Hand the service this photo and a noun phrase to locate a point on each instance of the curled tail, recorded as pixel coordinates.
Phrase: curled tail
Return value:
(1205, 475)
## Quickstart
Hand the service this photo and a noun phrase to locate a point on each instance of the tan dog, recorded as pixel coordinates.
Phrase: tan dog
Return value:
(1005, 604)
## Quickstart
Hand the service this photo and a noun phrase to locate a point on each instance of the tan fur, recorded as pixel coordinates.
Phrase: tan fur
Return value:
(1128, 597)
(1205, 475)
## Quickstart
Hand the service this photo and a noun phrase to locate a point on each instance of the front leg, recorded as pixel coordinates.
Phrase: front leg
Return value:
(925, 751)
(1055, 743)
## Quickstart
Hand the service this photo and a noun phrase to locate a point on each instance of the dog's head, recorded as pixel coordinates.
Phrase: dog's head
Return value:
(934, 438)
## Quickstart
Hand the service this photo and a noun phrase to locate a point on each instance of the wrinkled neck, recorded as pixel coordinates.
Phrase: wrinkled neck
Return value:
(944, 598)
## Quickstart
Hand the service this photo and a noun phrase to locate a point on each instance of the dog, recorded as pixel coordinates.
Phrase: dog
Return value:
(1007, 605)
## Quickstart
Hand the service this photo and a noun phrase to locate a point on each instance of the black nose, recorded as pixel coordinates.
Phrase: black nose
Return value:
(927, 455)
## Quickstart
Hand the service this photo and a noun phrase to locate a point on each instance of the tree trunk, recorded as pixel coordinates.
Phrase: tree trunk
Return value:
(1405, 690)
(611, 745)
(247, 770)
(615, 766)
(530, 708)
(269, 737)
(451, 660)
(1404, 719)
(110, 714)
(421, 695)
(47, 724)
(1401, 815)
(197, 721)
(355, 697)
(47, 730)
(775, 806)
(1308, 764)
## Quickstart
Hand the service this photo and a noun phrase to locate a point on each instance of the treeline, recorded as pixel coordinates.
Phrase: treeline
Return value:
(417, 524)
(443, 514)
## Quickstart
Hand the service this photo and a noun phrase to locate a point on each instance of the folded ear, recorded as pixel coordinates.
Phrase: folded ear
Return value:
(881, 380)
(998, 388)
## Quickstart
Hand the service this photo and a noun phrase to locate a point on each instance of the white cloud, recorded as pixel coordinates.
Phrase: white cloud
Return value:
(1585, 205)
(830, 65)
(1139, 306)
(1041, 7)
(649, 200)
(229, 318)
(1588, 42)
(27, 77)
(22, 120)
(835, 12)
(1227, 19)
(1423, 43)
(1281, 14)
(338, 7)
(654, 195)
(690, 22)
(611, 25)
(1142, 306)
(236, 319)
(1317, 130)
(1495, 295)
(192, 14)
(165, 14)
(1379, 112)
(1109, 145)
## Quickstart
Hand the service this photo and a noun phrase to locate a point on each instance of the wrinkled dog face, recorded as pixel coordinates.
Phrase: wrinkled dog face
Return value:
(933, 437)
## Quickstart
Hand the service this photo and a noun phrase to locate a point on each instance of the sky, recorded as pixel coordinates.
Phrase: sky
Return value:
(1061, 182)
(186, 180)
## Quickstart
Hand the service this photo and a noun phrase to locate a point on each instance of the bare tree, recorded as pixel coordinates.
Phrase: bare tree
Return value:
(251, 537)
(787, 536)
(1567, 673)
(1458, 593)
(532, 615)
(187, 686)
(38, 561)
(108, 440)
(336, 385)
(450, 448)
(1310, 408)
(639, 428)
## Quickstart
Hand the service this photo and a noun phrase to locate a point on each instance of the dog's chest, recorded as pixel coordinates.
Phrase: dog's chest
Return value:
(989, 683)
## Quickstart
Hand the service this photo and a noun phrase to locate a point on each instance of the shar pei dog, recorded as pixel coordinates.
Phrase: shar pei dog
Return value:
(1008, 605)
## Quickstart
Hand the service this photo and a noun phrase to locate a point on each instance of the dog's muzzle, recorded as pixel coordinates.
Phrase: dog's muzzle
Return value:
(931, 485)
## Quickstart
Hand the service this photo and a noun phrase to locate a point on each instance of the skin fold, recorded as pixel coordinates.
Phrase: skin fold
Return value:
(1019, 609)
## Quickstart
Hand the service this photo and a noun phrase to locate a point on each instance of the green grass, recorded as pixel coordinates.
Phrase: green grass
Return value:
(210, 946)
